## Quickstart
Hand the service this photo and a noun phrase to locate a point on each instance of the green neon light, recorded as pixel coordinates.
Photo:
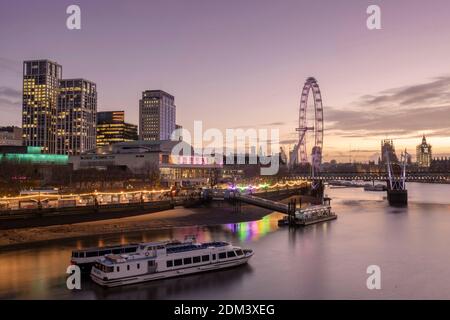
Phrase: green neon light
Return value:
(36, 158)
(34, 150)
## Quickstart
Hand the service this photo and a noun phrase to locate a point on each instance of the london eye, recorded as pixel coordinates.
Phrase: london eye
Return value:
(310, 127)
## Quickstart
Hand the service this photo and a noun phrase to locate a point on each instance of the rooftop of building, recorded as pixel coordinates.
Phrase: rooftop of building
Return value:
(156, 93)
(77, 79)
(141, 146)
(9, 128)
(42, 60)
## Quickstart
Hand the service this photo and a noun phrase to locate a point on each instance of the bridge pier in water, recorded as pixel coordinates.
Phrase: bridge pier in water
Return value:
(397, 197)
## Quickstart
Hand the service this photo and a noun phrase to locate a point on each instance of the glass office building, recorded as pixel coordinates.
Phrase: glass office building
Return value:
(112, 128)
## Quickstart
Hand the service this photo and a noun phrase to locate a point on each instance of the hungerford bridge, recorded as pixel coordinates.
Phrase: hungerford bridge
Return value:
(439, 177)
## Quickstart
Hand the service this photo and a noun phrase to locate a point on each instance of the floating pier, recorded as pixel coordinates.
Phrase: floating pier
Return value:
(307, 216)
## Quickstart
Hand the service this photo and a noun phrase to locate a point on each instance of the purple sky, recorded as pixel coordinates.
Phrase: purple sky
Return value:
(241, 63)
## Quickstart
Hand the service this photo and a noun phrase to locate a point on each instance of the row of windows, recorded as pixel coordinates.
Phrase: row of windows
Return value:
(90, 254)
(204, 258)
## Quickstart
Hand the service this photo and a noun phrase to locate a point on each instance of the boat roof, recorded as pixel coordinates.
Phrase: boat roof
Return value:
(112, 259)
(191, 247)
(107, 247)
(117, 246)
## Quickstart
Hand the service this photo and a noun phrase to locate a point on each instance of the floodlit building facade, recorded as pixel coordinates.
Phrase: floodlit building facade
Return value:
(112, 128)
(77, 116)
(388, 151)
(39, 108)
(423, 154)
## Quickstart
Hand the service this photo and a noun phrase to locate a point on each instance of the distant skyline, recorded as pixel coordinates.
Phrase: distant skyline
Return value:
(243, 63)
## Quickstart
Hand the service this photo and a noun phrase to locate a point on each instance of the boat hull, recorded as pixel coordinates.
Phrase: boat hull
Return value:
(170, 274)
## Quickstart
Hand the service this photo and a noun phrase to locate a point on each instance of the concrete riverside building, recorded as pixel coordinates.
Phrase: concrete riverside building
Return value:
(143, 157)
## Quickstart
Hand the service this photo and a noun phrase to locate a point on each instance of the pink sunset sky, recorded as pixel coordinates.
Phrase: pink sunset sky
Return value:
(242, 63)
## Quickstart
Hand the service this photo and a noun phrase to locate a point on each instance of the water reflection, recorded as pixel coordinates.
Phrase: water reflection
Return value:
(181, 286)
(324, 261)
(251, 231)
(40, 272)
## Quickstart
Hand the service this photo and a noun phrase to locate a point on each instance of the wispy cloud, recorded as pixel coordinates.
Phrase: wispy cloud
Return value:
(10, 97)
(261, 125)
(399, 112)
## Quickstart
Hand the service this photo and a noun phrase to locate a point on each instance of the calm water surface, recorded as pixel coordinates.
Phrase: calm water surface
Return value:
(324, 261)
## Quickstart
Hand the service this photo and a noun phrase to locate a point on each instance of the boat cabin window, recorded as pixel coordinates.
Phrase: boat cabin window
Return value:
(160, 247)
(91, 254)
(205, 258)
(130, 249)
(81, 255)
(196, 259)
(74, 254)
(231, 254)
(214, 256)
(169, 264)
(118, 269)
(239, 252)
(178, 262)
(103, 252)
(222, 255)
(128, 267)
(151, 263)
(138, 265)
(117, 251)
(187, 260)
(103, 268)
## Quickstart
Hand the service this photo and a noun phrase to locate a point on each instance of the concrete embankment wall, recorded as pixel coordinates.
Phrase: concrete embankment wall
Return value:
(56, 216)
(27, 218)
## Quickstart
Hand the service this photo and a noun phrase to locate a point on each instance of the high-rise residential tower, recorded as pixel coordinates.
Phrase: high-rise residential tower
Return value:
(77, 116)
(157, 114)
(112, 128)
(39, 107)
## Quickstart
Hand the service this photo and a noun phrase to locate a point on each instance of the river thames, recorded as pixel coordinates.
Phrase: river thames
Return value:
(323, 261)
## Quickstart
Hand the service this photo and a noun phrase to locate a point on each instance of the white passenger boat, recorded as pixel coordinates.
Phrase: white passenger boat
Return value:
(85, 258)
(162, 260)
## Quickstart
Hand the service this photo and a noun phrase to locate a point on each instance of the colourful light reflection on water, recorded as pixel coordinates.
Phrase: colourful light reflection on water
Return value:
(253, 230)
